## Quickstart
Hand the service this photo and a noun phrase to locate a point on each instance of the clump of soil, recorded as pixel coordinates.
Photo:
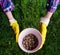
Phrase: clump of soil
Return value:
(30, 42)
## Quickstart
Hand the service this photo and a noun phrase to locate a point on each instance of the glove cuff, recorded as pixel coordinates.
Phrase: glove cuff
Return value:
(12, 21)
(45, 20)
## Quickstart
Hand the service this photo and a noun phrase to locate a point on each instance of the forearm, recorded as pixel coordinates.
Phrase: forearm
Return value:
(9, 15)
(48, 15)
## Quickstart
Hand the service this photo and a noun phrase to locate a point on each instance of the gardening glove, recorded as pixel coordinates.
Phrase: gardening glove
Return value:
(15, 28)
(43, 31)
(43, 28)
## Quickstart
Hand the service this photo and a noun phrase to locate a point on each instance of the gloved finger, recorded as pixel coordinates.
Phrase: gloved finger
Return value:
(43, 31)
(17, 32)
(17, 35)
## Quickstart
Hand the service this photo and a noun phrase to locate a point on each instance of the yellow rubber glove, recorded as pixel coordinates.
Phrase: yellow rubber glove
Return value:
(15, 28)
(43, 31)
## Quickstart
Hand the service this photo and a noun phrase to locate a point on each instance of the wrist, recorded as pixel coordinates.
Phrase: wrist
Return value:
(12, 20)
(45, 20)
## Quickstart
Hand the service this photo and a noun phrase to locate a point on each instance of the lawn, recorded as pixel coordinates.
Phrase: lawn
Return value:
(28, 13)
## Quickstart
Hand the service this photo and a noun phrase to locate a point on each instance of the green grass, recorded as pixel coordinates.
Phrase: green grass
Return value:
(28, 13)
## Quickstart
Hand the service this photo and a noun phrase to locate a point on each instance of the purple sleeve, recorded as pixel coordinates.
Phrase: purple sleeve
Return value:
(52, 5)
(7, 5)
